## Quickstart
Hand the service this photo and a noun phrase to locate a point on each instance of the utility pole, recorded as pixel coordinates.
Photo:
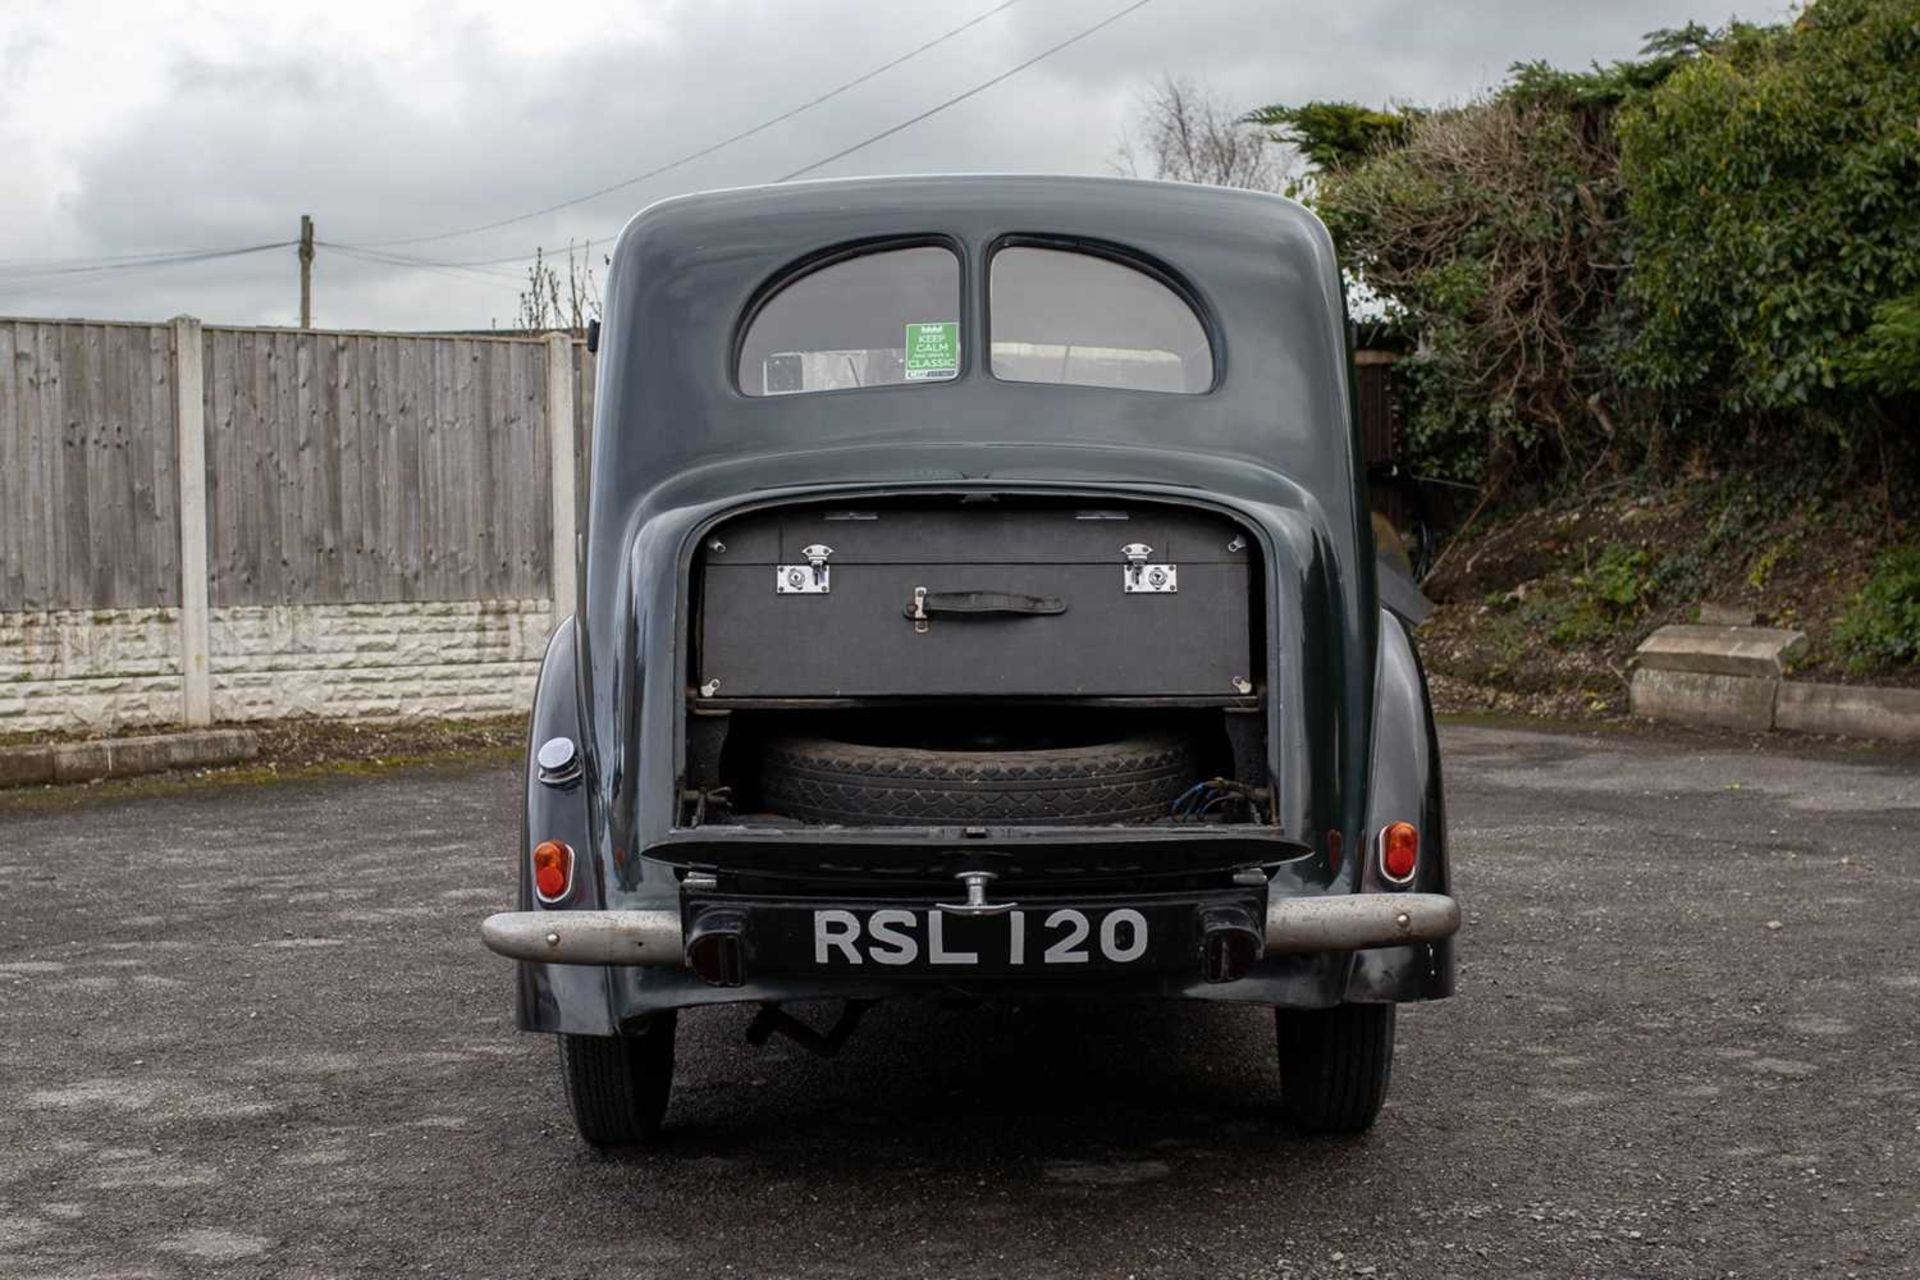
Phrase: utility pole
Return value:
(306, 271)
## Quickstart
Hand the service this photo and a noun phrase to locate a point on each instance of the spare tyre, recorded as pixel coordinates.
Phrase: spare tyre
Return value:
(1134, 778)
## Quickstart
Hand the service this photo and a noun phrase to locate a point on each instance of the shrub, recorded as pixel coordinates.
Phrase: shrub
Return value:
(1710, 253)
(1881, 625)
(1492, 231)
(1886, 360)
(1770, 185)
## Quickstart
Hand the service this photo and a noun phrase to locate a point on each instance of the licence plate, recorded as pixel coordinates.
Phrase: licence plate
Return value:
(876, 940)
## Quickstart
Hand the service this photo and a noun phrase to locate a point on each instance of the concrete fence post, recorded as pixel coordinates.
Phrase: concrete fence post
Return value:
(560, 445)
(190, 457)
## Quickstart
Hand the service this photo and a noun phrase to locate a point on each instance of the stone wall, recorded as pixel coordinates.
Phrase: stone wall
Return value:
(109, 670)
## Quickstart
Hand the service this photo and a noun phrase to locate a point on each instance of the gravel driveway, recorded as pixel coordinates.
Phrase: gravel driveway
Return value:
(251, 1032)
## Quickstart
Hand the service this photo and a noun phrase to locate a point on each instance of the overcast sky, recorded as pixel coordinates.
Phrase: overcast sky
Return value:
(141, 127)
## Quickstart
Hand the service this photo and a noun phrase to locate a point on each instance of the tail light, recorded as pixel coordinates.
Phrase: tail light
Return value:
(1399, 851)
(552, 870)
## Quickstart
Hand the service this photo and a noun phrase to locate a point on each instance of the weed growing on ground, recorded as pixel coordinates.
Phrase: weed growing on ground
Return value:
(1881, 625)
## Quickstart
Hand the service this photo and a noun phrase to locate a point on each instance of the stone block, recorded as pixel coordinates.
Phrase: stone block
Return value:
(1704, 698)
(1854, 711)
(1761, 652)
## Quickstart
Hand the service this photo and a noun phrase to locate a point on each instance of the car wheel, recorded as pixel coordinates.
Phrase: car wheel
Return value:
(1131, 779)
(1334, 1065)
(617, 1086)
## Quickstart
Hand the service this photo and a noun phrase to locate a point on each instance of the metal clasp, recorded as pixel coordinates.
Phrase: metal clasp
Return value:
(1141, 576)
(810, 579)
(976, 903)
(920, 611)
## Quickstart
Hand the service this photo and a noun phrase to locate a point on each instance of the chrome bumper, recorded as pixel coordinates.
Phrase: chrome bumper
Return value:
(587, 937)
(1356, 921)
(1347, 922)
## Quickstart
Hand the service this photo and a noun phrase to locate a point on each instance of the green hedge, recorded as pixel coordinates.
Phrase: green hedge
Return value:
(1713, 249)
(1773, 191)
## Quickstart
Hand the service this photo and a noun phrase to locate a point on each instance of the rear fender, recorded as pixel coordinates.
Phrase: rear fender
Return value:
(577, 999)
(1404, 786)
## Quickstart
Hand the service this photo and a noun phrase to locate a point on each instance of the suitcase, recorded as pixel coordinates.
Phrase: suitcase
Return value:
(975, 600)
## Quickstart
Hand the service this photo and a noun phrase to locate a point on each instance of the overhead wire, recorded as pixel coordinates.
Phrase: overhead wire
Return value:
(21, 271)
(958, 98)
(705, 151)
(454, 269)
(870, 139)
(25, 269)
(27, 273)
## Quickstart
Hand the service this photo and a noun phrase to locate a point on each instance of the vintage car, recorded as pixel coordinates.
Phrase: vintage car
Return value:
(979, 602)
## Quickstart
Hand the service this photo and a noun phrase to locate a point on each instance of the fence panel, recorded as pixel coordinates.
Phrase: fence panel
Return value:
(361, 468)
(89, 497)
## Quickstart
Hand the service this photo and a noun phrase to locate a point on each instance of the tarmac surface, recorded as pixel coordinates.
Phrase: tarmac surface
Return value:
(250, 1031)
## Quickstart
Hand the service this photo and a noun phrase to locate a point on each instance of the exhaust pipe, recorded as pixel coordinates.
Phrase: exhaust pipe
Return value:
(716, 947)
(1230, 943)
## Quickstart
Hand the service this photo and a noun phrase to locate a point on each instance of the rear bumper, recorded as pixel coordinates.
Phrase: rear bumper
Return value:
(653, 939)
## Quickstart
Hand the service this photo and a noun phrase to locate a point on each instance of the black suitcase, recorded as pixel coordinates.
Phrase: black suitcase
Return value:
(975, 600)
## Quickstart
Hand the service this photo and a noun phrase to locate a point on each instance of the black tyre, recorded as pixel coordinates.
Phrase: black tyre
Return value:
(617, 1086)
(1129, 779)
(1335, 1065)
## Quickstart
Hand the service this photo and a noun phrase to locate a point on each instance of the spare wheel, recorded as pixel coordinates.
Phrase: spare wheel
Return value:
(1133, 778)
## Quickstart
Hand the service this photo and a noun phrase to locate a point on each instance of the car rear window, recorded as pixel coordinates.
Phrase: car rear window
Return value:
(877, 319)
(1085, 320)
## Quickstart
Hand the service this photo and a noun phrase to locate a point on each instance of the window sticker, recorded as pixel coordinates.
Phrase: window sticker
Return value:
(933, 351)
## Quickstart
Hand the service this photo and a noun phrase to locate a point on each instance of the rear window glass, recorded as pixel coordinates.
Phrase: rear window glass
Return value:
(871, 321)
(1078, 319)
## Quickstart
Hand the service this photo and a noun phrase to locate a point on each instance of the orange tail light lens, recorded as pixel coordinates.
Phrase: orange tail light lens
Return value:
(552, 870)
(1399, 851)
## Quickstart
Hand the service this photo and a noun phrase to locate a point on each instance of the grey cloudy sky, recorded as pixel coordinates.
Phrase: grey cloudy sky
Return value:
(141, 127)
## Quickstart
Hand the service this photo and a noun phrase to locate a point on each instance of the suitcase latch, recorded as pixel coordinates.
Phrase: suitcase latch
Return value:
(809, 579)
(1154, 579)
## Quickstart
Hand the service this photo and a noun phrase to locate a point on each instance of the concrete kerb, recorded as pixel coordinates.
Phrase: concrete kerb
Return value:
(1855, 711)
(1732, 677)
(87, 760)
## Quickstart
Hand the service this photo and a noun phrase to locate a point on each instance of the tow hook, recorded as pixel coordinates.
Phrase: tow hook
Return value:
(772, 1018)
(976, 903)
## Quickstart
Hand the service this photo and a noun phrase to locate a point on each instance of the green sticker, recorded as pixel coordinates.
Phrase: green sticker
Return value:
(933, 350)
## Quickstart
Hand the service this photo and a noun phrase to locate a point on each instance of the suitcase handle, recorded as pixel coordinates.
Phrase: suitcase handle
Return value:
(978, 604)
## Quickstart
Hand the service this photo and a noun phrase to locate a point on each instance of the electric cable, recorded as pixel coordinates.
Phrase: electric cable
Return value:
(702, 152)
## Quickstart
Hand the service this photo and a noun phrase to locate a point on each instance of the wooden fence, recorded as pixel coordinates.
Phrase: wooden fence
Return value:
(89, 510)
(339, 467)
